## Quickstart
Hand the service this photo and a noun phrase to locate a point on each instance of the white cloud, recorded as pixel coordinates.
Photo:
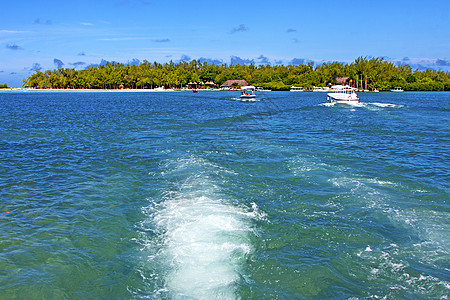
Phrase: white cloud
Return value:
(12, 31)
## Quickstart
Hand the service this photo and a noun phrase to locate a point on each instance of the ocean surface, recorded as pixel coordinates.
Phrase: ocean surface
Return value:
(176, 195)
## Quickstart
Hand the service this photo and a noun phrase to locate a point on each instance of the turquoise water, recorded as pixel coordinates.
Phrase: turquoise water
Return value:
(202, 196)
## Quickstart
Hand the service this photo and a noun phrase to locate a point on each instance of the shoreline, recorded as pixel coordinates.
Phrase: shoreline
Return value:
(106, 90)
(150, 90)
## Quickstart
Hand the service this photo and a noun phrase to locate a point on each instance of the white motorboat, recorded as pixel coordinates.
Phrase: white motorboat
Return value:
(397, 89)
(260, 89)
(342, 94)
(296, 89)
(321, 89)
(248, 92)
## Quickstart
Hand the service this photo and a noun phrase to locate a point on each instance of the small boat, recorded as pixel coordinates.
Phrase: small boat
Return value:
(195, 90)
(321, 89)
(248, 92)
(342, 94)
(397, 89)
(296, 89)
(260, 89)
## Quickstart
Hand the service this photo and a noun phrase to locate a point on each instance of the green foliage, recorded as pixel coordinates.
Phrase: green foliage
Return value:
(3, 86)
(377, 72)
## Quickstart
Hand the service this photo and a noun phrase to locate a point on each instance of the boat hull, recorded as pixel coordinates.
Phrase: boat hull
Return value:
(343, 98)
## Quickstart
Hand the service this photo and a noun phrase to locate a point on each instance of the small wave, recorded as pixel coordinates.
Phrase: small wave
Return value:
(390, 105)
(386, 265)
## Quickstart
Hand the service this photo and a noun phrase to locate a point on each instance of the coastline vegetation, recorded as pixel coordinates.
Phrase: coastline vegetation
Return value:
(376, 72)
(3, 86)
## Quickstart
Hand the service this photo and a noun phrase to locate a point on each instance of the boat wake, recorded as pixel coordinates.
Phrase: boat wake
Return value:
(426, 228)
(245, 99)
(201, 241)
(374, 105)
(411, 249)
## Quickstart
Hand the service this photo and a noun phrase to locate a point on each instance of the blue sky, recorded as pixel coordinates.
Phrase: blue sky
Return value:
(74, 34)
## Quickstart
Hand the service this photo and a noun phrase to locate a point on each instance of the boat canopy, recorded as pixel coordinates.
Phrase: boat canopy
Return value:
(342, 87)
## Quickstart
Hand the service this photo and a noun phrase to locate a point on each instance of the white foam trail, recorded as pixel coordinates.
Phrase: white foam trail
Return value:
(363, 104)
(204, 238)
(327, 104)
(386, 105)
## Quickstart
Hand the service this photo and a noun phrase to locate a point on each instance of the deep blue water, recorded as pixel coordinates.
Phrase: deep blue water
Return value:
(201, 196)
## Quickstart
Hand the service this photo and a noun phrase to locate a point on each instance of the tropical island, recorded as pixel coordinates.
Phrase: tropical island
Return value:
(372, 73)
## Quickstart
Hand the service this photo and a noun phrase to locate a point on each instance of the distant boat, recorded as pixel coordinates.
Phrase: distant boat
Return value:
(248, 92)
(260, 89)
(195, 90)
(397, 89)
(321, 89)
(296, 89)
(342, 94)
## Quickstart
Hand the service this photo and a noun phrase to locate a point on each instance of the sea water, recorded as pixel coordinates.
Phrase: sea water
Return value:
(201, 196)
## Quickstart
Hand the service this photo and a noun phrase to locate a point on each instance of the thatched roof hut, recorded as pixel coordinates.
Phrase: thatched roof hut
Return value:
(229, 83)
(343, 80)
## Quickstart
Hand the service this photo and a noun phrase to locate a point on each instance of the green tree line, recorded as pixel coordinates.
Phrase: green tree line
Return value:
(374, 72)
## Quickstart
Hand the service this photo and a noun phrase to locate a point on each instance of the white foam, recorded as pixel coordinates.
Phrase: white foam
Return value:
(204, 239)
(327, 104)
(386, 105)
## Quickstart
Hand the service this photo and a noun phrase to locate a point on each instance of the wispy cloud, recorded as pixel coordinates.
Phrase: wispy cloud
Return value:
(41, 22)
(86, 24)
(134, 62)
(161, 40)
(240, 28)
(81, 54)
(297, 61)
(236, 60)
(127, 38)
(185, 57)
(102, 63)
(58, 63)
(78, 64)
(36, 67)
(263, 60)
(14, 47)
(291, 30)
(443, 62)
(211, 61)
(422, 64)
(12, 31)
